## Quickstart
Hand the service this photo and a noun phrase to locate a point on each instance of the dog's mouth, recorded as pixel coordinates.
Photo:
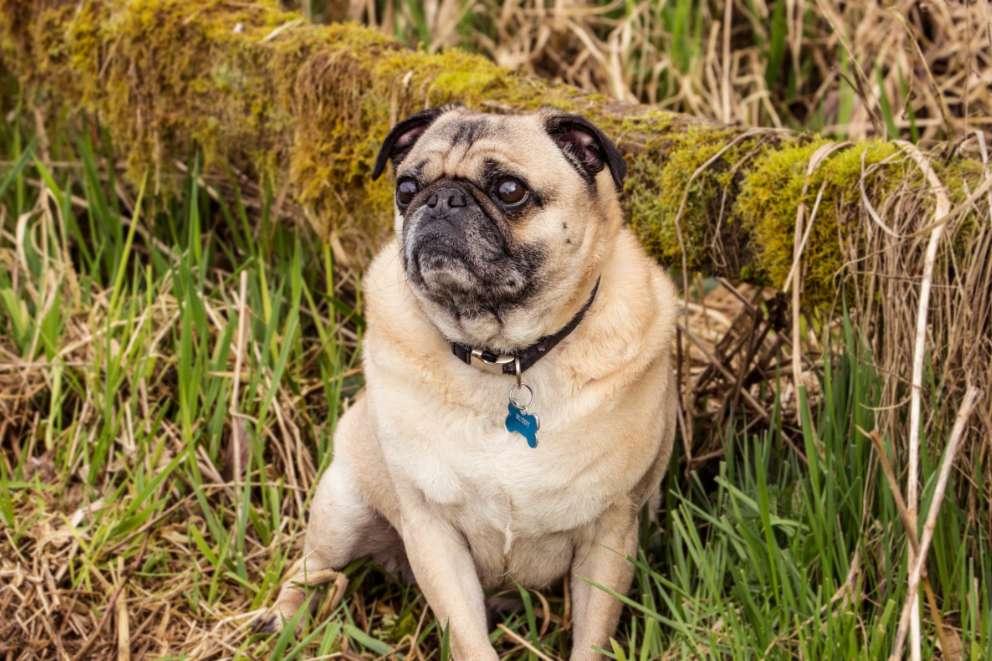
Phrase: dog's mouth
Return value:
(445, 252)
(464, 280)
(435, 248)
(460, 259)
(443, 269)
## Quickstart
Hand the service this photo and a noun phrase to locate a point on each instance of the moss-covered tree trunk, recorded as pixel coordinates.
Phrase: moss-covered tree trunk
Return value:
(260, 91)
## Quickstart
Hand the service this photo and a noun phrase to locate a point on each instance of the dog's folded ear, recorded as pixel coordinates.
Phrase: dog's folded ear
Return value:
(403, 136)
(586, 147)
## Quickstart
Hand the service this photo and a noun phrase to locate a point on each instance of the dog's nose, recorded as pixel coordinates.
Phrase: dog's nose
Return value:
(448, 197)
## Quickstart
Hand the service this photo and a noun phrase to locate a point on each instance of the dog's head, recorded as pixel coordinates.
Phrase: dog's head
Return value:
(503, 219)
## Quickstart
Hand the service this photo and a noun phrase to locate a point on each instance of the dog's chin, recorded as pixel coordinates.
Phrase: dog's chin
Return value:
(458, 292)
(443, 274)
(465, 293)
(446, 275)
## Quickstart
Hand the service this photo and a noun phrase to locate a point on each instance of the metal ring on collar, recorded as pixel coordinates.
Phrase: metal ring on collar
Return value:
(489, 362)
(492, 358)
(516, 391)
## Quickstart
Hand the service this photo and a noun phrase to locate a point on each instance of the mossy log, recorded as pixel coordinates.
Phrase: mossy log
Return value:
(257, 90)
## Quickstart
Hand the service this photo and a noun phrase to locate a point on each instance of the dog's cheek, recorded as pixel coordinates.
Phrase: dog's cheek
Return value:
(560, 232)
(405, 225)
(531, 269)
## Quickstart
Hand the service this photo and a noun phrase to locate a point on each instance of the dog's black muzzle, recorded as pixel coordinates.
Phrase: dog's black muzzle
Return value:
(449, 224)
(445, 216)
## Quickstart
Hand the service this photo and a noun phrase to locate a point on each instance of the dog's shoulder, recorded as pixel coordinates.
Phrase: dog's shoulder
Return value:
(384, 287)
(394, 320)
(632, 322)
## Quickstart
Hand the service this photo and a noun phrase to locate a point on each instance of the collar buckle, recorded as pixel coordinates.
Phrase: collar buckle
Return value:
(490, 362)
(516, 363)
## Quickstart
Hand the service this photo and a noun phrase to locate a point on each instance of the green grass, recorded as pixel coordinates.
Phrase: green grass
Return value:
(119, 317)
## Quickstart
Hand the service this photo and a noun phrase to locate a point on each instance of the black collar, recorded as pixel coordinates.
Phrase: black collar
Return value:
(491, 360)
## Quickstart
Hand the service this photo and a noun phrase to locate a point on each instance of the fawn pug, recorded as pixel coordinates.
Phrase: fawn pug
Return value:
(520, 399)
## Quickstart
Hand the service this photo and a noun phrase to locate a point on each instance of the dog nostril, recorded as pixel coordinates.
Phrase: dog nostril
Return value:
(432, 201)
(456, 200)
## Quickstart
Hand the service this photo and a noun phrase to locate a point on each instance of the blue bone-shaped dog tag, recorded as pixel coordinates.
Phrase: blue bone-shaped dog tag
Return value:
(526, 424)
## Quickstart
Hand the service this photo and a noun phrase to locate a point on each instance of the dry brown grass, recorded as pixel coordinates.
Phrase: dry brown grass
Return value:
(855, 69)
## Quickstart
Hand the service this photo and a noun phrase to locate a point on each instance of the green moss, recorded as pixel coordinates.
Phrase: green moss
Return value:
(684, 203)
(961, 178)
(772, 191)
(645, 213)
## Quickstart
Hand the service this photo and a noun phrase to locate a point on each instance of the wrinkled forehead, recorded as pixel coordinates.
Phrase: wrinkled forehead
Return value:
(463, 144)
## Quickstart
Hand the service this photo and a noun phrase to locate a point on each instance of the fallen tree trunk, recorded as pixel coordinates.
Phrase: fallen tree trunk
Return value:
(259, 91)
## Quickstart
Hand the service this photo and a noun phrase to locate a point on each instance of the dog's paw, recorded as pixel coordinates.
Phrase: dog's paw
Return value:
(268, 622)
(291, 599)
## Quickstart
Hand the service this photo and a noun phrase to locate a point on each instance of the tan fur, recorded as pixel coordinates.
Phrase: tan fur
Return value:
(424, 457)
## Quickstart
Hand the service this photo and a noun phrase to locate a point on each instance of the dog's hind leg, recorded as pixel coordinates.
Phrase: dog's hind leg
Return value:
(344, 522)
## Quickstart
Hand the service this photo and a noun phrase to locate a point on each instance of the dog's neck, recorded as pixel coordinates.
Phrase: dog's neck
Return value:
(509, 331)
(519, 360)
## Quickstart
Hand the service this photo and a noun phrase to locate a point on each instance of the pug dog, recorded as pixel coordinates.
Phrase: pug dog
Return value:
(520, 403)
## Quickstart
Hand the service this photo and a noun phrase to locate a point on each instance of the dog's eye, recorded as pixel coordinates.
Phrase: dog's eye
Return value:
(406, 189)
(510, 191)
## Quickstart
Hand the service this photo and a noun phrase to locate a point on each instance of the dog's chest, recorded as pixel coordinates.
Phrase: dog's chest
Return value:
(467, 463)
(519, 508)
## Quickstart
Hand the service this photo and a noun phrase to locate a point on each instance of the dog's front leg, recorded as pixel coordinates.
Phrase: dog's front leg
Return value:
(444, 569)
(601, 559)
